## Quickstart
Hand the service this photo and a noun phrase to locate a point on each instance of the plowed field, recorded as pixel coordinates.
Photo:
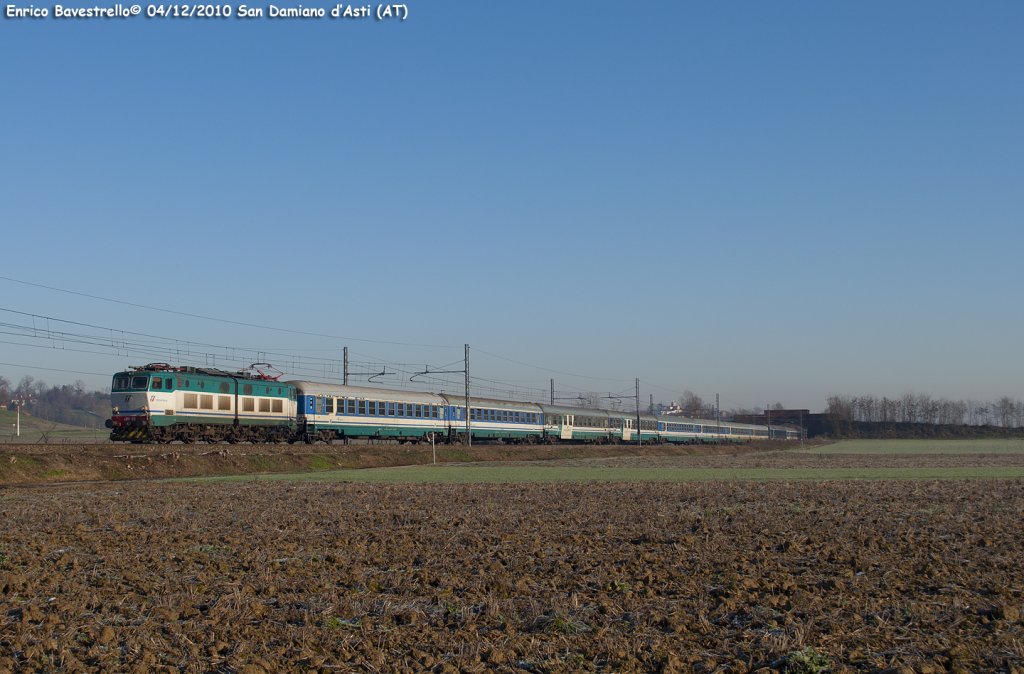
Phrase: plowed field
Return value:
(922, 576)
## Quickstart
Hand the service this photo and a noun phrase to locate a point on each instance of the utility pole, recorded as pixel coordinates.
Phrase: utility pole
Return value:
(718, 417)
(768, 416)
(639, 434)
(344, 377)
(652, 403)
(469, 432)
(552, 390)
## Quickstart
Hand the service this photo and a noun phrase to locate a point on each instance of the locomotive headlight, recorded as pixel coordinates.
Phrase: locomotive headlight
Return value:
(115, 410)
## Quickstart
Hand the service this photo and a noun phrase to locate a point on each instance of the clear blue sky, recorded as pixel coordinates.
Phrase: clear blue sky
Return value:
(774, 201)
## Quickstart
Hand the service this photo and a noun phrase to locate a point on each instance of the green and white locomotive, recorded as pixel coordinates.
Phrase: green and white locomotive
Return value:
(162, 403)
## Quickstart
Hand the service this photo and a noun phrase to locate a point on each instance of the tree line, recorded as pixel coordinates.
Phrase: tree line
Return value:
(66, 404)
(921, 408)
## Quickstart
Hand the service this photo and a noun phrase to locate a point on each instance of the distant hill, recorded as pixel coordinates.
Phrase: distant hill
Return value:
(34, 429)
(66, 404)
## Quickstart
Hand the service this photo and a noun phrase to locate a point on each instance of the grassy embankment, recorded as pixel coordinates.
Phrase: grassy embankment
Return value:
(555, 472)
(986, 446)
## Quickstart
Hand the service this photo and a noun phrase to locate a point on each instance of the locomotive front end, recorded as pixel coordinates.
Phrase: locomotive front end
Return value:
(133, 397)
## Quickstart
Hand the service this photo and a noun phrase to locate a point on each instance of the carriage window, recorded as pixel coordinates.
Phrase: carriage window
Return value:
(248, 404)
(362, 407)
(264, 404)
(329, 406)
(206, 402)
(224, 403)
(191, 400)
(278, 405)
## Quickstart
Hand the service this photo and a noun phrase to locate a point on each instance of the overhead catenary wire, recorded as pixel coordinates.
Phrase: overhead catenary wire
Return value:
(70, 335)
(176, 312)
(224, 320)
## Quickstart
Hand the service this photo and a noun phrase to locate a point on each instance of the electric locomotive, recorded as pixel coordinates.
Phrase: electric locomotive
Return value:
(161, 403)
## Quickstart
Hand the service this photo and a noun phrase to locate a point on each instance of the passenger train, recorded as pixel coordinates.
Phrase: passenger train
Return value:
(163, 403)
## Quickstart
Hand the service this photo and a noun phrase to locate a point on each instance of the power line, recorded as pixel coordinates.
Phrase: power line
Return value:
(222, 320)
(186, 352)
(54, 369)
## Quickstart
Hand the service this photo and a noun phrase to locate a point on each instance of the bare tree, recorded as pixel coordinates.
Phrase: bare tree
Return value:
(839, 407)
(692, 404)
(25, 387)
(1003, 410)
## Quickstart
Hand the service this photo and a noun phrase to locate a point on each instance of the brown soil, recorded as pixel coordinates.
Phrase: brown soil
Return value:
(704, 577)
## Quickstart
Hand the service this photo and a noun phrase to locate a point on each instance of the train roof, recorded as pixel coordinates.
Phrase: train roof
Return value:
(365, 392)
(493, 403)
(678, 419)
(593, 412)
(564, 409)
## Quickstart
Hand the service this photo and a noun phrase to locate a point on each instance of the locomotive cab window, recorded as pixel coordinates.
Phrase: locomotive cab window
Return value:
(157, 384)
(140, 383)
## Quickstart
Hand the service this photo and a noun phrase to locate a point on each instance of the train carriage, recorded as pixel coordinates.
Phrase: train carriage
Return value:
(331, 411)
(576, 423)
(673, 428)
(491, 419)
